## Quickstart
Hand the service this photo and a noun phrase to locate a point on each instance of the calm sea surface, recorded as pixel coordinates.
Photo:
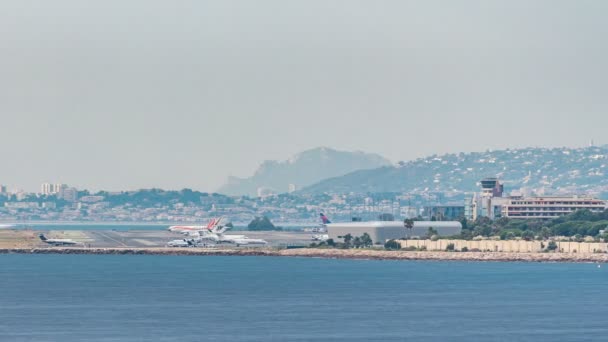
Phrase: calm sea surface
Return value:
(180, 298)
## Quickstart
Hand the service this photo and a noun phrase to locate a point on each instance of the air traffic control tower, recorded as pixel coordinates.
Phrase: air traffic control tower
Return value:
(486, 203)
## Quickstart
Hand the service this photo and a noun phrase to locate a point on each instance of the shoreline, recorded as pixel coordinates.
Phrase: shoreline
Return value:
(329, 254)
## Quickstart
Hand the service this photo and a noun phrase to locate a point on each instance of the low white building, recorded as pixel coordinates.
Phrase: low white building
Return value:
(381, 231)
(548, 207)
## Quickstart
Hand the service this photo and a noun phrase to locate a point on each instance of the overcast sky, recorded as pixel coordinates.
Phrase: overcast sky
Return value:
(124, 94)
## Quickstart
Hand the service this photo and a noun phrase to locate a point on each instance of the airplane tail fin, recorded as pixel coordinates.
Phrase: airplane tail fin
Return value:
(222, 225)
(324, 218)
(42, 237)
(218, 225)
(212, 224)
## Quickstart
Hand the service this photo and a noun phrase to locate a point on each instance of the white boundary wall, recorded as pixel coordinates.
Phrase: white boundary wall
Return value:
(508, 245)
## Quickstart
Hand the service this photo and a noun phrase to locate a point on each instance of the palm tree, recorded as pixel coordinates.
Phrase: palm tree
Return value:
(409, 225)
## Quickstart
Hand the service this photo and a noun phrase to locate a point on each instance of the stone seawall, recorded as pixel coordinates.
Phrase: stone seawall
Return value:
(327, 253)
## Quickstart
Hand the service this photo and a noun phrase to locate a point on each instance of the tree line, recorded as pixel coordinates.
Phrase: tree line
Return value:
(578, 224)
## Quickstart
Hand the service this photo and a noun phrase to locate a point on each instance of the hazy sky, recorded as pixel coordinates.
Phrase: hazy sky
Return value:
(121, 94)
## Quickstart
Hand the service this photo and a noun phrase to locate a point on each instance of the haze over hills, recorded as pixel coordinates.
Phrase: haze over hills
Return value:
(303, 169)
(549, 170)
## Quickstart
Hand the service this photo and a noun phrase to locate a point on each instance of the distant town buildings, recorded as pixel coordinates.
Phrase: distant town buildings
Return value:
(91, 199)
(265, 192)
(51, 189)
(68, 194)
(62, 202)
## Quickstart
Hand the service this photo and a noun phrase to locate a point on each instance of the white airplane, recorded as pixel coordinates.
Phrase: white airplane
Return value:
(320, 237)
(6, 226)
(57, 242)
(193, 230)
(238, 240)
(322, 228)
(215, 235)
(181, 243)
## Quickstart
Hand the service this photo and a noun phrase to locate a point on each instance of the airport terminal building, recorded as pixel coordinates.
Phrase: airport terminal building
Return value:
(380, 231)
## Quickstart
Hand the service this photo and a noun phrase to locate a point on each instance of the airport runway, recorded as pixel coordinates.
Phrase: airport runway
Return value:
(159, 238)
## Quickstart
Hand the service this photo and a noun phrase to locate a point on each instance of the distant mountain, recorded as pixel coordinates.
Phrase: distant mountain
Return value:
(303, 169)
(553, 170)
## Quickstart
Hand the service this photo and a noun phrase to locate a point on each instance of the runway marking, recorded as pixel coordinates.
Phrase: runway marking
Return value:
(117, 241)
(145, 242)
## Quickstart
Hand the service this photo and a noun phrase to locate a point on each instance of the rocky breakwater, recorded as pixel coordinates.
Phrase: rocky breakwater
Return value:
(327, 253)
(447, 256)
(137, 251)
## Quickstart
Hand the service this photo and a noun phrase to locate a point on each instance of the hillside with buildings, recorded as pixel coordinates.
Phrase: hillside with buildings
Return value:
(538, 170)
(301, 170)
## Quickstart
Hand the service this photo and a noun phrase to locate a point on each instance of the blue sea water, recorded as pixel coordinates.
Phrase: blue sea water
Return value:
(181, 298)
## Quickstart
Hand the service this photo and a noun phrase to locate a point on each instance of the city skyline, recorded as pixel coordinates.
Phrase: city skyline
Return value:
(114, 95)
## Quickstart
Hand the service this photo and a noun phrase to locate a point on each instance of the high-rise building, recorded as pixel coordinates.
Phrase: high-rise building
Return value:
(52, 189)
(46, 188)
(58, 188)
(3, 189)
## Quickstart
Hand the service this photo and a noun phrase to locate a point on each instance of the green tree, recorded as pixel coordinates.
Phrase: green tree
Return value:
(261, 223)
(551, 246)
(430, 232)
(483, 230)
(348, 238)
(528, 235)
(450, 247)
(392, 245)
(464, 223)
(545, 232)
(366, 240)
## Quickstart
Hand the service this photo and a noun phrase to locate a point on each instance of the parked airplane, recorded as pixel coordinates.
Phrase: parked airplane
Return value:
(238, 240)
(320, 237)
(181, 243)
(192, 230)
(215, 235)
(322, 228)
(57, 242)
(324, 219)
(6, 226)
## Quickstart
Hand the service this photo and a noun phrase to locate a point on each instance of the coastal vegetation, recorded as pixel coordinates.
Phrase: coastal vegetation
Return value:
(577, 226)
(349, 241)
(392, 245)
